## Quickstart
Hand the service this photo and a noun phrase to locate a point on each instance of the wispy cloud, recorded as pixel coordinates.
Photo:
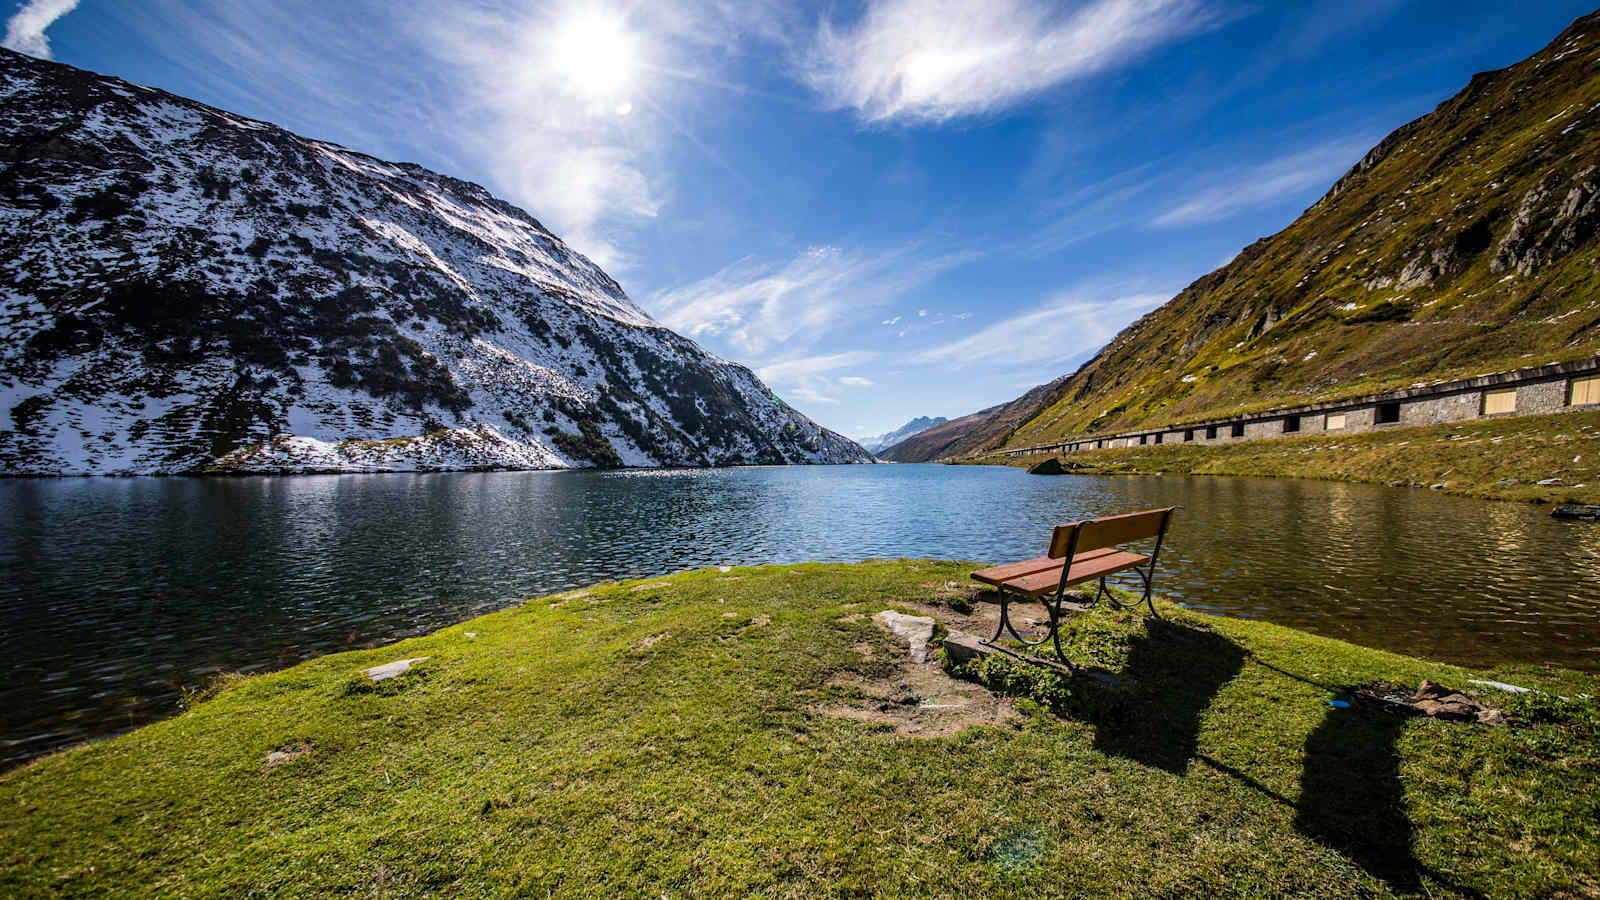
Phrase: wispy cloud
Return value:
(1067, 326)
(25, 31)
(763, 307)
(1237, 191)
(934, 60)
(559, 113)
(572, 108)
(807, 379)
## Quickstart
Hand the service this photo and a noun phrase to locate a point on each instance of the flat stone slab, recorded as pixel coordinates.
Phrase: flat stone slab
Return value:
(915, 631)
(393, 670)
(963, 648)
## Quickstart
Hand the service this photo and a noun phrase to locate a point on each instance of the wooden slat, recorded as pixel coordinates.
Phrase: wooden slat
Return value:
(1113, 531)
(1061, 539)
(998, 574)
(1084, 568)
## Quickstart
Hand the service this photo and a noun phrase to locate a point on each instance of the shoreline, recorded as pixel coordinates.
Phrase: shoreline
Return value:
(634, 736)
(1520, 453)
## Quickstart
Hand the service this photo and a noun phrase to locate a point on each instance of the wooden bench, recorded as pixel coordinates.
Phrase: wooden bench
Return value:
(1079, 552)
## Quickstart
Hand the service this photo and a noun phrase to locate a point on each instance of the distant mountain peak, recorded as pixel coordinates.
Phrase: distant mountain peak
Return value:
(884, 441)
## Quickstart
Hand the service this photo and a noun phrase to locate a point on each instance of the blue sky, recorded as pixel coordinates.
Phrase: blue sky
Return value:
(888, 208)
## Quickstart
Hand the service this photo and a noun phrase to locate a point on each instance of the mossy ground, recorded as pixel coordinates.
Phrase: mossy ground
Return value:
(668, 738)
(1500, 459)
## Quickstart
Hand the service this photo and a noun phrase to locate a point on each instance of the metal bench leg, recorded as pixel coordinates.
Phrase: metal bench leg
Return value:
(1053, 635)
(1004, 621)
(1148, 576)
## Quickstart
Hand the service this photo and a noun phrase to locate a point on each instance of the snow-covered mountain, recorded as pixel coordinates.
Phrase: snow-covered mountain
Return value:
(915, 426)
(186, 290)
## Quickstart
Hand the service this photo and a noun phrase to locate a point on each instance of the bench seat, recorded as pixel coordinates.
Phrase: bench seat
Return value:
(1038, 577)
(998, 575)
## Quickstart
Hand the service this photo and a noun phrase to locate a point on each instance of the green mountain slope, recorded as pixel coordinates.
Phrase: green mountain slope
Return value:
(1464, 243)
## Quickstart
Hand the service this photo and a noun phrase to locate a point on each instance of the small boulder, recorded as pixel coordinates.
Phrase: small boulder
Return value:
(288, 753)
(915, 631)
(1496, 717)
(1051, 466)
(1431, 690)
(393, 670)
(1450, 712)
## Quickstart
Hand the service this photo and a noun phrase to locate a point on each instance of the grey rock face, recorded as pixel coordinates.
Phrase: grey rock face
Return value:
(1550, 223)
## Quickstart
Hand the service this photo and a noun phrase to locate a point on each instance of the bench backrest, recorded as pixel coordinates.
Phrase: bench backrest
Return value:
(1112, 531)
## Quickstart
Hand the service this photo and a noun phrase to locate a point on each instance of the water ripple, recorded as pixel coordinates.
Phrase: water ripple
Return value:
(117, 594)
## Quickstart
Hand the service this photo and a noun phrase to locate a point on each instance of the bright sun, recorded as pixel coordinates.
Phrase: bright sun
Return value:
(595, 53)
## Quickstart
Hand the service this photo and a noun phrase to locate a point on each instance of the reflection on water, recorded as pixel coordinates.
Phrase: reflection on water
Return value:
(117, 593)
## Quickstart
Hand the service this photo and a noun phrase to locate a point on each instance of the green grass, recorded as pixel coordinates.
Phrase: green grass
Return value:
(1498, 459)
(659, 738)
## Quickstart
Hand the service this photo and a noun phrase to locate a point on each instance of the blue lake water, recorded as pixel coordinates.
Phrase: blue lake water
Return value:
(115, 594)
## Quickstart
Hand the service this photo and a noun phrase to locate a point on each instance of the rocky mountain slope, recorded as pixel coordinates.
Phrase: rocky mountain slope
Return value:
(186, 290)
(1464, 243)
(915, 426)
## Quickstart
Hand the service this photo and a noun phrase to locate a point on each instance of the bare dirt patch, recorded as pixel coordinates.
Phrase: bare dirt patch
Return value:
(976, 610)
(914, 699)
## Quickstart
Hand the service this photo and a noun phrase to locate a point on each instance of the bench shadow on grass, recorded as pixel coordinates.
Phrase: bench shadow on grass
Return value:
(1152, 715)
(1351, 796)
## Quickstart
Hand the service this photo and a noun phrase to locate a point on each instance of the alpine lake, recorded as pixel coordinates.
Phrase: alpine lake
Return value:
(118, 595)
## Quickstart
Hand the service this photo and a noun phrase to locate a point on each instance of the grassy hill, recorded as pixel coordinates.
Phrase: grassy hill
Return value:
(753, 733)
(1464, 243)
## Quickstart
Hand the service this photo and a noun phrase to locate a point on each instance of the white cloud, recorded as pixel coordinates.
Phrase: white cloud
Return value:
(893, 321)
(1231, 193)
(495, 89)
(922, 313)
(760, 308)
(791, 370)
(1067, 326)
(855, 381)
(806, 378)
(933, 60)
(555, 121)
(25, 30)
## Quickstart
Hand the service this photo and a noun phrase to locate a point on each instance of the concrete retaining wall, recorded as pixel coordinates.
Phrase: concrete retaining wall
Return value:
(1545, 389)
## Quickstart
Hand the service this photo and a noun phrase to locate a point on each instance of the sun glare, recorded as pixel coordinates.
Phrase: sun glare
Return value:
(595, 53)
